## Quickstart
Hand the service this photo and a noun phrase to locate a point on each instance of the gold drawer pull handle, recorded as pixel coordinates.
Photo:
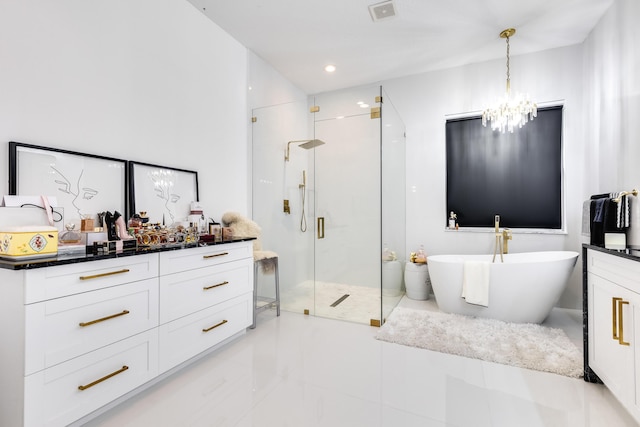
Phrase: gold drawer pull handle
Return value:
(113, 374)
(215, 255)
(206, 288)
(620, 323)
(83, 324)
(111, 273)
(215, 326)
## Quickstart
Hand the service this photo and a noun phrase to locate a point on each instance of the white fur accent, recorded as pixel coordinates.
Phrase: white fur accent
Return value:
(244, 227)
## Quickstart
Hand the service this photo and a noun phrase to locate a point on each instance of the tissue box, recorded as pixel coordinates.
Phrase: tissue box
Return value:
(28, 242)
(616, 241)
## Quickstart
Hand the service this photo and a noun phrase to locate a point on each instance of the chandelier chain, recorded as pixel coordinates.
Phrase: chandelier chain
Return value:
(508, 67)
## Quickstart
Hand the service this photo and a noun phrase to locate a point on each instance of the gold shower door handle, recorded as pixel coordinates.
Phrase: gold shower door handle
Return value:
(320, 227)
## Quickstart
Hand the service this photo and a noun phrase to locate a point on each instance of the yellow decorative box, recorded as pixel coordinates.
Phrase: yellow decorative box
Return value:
(28, 242)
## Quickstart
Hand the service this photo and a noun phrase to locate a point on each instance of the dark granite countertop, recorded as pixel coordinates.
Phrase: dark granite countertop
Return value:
(632, 254)
(76, 258)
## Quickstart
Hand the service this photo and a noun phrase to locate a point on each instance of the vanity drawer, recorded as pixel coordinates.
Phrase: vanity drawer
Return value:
(189, 259)
(53, 396)
(63, 328)
(622, 271)
(188, 336)
(59, 281)
(190, 291)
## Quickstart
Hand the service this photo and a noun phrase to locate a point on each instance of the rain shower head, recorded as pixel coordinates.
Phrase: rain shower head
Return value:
(311, 144)
(306, 144)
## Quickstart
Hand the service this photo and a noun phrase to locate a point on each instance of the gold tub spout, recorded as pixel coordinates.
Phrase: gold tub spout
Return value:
(506, 236)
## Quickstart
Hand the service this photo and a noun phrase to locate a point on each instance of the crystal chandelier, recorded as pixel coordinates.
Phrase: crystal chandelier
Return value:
(509, 112)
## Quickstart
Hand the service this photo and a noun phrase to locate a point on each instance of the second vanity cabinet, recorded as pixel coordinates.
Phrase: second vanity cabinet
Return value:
(614, 325)
(78, 336)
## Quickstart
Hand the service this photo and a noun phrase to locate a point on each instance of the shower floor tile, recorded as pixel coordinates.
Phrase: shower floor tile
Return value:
(361, 305)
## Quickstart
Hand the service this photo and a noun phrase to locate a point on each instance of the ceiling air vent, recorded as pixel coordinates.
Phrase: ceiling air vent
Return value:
(383, 10)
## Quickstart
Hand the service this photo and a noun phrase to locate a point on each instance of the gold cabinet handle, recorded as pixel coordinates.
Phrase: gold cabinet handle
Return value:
(106, 377)
(215, 326)
(620, 323)
(614, 317)
(111, 273)
(320, 227)
(83, 324)
(206, 288)
(215, 255)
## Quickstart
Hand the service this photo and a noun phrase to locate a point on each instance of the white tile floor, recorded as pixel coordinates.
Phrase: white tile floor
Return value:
(302, 371)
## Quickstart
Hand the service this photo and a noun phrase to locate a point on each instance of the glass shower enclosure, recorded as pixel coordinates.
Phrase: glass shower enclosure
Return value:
(329, 195)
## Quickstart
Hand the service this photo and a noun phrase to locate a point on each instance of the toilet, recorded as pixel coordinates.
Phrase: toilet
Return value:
(417, 281)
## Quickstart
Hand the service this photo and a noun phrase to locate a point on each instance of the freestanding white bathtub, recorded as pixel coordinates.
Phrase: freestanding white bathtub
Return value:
(523, 289)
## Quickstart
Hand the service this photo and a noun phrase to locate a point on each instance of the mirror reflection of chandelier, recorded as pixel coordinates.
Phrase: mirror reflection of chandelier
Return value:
(510, 111)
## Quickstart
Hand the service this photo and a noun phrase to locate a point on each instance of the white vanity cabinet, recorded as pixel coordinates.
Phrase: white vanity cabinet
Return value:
(614, 325)
(205, 297)
(76, 337)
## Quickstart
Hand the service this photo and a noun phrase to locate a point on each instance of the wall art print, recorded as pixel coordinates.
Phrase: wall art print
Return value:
(83, 184)
(164, 193)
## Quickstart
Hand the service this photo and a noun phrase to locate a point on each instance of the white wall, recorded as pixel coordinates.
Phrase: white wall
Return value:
(146, 80)
(612, 70)
(598, 82)
(425, 100)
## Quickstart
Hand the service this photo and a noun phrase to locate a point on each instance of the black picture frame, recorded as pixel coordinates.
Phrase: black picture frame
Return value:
(164, 193)
(83, 184)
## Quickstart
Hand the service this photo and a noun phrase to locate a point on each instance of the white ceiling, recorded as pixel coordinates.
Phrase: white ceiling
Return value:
(299, 37)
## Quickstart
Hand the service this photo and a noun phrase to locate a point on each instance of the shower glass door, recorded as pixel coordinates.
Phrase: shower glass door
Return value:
(347, 206)
(276, 182)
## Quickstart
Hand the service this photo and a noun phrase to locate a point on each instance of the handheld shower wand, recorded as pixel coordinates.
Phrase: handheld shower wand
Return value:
(304, 180)
(303, 188)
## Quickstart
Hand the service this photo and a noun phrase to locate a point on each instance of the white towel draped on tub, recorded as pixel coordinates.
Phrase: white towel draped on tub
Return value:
(475, 282)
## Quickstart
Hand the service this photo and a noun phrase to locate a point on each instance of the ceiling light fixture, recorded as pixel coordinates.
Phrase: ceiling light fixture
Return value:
(510, 112)
(383, 10)
(330, 68)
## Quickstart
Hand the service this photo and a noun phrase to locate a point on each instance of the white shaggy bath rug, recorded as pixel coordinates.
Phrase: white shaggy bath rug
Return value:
(523, 345)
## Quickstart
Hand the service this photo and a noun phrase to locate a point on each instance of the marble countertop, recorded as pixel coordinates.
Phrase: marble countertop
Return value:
(632, 254)
(78, 258)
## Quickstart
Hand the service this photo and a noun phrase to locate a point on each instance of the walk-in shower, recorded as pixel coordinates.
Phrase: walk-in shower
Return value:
(352, 196)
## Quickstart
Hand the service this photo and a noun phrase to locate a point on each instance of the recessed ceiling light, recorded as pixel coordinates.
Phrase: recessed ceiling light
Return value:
(330, 68)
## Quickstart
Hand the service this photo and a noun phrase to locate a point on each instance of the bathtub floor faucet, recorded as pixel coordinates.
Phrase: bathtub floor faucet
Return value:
(501, 244)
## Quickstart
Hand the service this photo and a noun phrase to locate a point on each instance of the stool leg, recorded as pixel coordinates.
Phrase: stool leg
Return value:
(277, 289)
(255, 293)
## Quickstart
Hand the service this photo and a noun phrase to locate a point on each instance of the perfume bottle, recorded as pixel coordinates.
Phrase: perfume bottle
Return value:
(452, 220)
(70, 236)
